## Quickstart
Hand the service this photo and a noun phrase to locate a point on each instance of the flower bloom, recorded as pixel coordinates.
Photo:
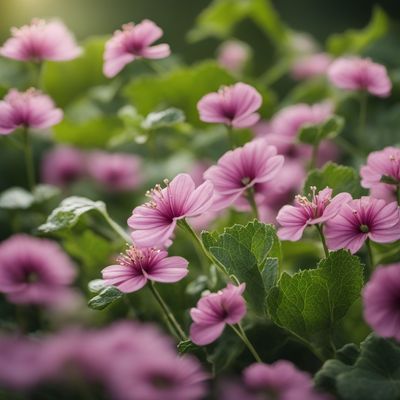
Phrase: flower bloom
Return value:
(30, 109)
(233, 55)
(137, 266)
(360, 74)
(310, 66)
(117, 171)
(234, 106)
(362, 219)
(153, 223)
(214, 311)
(41, 41)
(33, 271)
(241, 169)
(62, 166)
(132, 42)
(381, 297)
(321, 208)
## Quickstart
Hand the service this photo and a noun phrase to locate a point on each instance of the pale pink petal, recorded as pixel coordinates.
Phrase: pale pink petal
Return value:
(205, 334)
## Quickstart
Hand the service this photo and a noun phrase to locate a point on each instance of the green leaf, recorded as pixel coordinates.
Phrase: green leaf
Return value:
(252, 254)
(44, 192)
(314, 134)
(311, 302)
(373, 373)
(338, 177)
(169, 117)
(66, 81)
(355, 41)
(96, 285)
(67, 214)
(107, 296)
(186, 346)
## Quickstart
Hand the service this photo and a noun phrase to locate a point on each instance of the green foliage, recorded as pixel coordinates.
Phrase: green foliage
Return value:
(311, 302)
(338, 177)
(251, 253)
(162, 119)
(355, 41)
(314, 134)
(373, 373)
(107, 296)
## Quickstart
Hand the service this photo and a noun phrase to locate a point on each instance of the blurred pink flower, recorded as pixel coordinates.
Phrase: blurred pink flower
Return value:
(34, 271)
(384, 191)
(381, 297)
(234, 106)
(241, 169)
(41, 41)
(132, 42)
(233, 55)
(214, 311)
(62, 166)
(310, 66)
(154, 222)
(116, 171)
(319, 209)
(362, 219)
(360, 74)
(30, 109)
(137, 266)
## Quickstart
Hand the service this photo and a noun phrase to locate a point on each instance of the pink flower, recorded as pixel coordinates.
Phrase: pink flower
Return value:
(381, 297)
(362, 219)
(381, 164)
(384, 191)
(154, 222)
(62, 166)
(214, 311)
(137, 266)
(360, 74)
(30, 109)
(132, 42)
(319, 209)
(27, 270)
(241, 169)
(234, 106)
(233, 55)
(41, 41)
(310, 66)
(117, 171)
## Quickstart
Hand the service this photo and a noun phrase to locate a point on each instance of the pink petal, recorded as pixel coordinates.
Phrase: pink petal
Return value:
(205, 334)
(156, 52)
(170, 269)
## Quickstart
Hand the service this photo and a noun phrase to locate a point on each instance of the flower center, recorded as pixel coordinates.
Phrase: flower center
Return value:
(31, 277)
(246, 180)
(161, 381)
(364, 228)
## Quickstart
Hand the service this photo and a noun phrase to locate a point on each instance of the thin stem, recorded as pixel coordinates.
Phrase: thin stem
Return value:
(242, 334)
(370, 257)
(314, 156)
(167, 312)
(231, 136)
(321, 235)
(29, 165)
(117, 228)
(362, 118)
(252, 202)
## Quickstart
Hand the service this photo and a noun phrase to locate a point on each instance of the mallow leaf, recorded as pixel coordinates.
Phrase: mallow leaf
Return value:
(311, 302)
(373, 373)
(252, 254)
(314, 134)
(20, 198)
(169, 117)
(106, 296)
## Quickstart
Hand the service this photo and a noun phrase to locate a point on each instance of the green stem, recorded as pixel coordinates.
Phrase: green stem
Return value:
(314, 156)
(362, 119)
(370, 257)
(116, 227)
(231, 136)
(252, 202)
(242, 334)
(167, 312)
(321, 235)
(29, 165)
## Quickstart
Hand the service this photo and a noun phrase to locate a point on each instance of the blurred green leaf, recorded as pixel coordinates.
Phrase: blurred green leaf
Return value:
(169, 117)
(355, 41)
(310, 303)
(107, 296)
(252, 254)
(186, 346)
(96, 285)
(314, 134)
(338, 177)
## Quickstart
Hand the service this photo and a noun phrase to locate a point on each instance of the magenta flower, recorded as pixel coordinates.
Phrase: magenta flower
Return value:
(30, 109)
(137, 266)
(362, 219)
(381, 164)
(154, 222)
(214, 311)
(41, 41)
(317, 210)
(117, 171)
(234, 106)
(62, 166)
(27, 270)
(360, 74)
(242, 169)
(311, 66)
(233, 55)
(381, 296)
(132, 42)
